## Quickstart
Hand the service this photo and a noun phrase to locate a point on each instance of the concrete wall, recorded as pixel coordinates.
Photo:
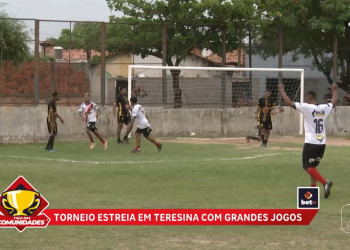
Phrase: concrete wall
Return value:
(28, 124)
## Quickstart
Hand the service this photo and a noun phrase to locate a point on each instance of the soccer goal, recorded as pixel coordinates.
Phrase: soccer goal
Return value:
(211, 87)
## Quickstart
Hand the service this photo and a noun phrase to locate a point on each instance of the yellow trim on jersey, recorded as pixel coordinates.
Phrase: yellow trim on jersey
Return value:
(50, 113)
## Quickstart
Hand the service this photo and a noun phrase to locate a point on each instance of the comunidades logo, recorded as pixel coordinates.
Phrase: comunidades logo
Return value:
(308, 197)
(21, 206)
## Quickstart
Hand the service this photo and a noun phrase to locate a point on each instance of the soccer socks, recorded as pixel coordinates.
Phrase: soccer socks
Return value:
(103, 141)
(316, 175)
(50, 142)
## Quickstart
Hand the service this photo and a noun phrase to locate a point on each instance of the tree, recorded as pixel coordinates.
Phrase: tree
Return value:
(190, 24)
(143, 31)
(309, 28)
(84, 35)
(13, 38)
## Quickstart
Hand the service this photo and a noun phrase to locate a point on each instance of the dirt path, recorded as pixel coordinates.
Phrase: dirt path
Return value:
(335, 141)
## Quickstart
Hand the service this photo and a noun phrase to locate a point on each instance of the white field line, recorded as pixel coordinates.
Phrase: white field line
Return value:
(209, 139)
(142, 162)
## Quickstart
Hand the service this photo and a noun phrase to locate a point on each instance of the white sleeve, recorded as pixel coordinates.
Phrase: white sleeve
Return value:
(134, 111)
(299, 106)
(329, 108)
(80, 110)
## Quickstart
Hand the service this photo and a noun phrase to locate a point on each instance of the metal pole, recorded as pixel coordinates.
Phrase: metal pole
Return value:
(335, 58)
(164, 58)
(36, 63)
(280, 62)
(223, 79)
(250, 54)
(70, 40)
(103, 63)
(280, 53)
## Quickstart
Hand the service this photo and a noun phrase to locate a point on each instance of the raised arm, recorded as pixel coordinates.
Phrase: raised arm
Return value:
(335, 94)
(284, 95)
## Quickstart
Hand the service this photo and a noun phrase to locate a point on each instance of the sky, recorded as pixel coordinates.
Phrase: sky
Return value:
(70, 10)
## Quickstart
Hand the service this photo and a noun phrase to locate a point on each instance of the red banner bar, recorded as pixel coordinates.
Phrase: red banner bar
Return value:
(180, 216)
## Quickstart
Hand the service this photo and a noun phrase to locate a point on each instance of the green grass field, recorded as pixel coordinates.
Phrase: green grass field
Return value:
(181, 176)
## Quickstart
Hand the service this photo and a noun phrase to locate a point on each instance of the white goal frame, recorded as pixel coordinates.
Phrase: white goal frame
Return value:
(301, 71)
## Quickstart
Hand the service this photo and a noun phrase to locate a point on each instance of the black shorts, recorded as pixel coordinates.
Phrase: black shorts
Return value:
(124, 119)
(312, 154)
(266, 124)
(91, 126)
(51, 130)
(145, 131)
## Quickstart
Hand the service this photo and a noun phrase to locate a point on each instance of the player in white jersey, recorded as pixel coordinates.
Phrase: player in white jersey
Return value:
(143, 125)
(89, 112)
(315, 116)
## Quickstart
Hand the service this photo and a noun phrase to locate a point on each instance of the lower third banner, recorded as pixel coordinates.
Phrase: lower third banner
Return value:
(180, 216)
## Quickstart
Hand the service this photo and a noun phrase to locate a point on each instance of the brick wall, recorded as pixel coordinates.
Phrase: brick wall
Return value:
(17, 80)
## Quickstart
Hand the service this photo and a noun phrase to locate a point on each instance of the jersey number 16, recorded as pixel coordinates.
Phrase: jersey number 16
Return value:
(319, 125)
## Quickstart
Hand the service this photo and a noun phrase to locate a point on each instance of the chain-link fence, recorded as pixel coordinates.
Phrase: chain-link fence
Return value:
(55, 58)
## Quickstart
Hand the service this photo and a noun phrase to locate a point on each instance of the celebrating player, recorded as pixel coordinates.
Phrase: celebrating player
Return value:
(143, 125)
(89, 112)
(315, 132)
(123, 113)
(51, 121)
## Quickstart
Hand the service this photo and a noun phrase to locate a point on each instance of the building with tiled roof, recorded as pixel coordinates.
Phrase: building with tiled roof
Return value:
(72, 55)
(232, 58)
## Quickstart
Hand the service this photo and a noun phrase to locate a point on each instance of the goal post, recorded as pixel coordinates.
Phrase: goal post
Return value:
(211, 87)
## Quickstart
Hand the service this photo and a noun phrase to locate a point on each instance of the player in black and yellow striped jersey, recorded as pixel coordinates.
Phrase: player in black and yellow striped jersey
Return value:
(52, 115)
(265, 105)
(258, 137)
(122, 111)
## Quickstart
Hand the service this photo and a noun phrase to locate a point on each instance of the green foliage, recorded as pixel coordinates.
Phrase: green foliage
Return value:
(229, 18)
(141, 31)
(190, 24)
(84, 35)
(309, 28)
(45, 58)
(13, 38)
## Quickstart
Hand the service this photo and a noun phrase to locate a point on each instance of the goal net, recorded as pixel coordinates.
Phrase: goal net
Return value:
(210, 87)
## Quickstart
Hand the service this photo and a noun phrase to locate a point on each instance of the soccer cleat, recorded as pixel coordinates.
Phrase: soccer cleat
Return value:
(106, 145)
(120, 141)
(126, 140)
(47, 148)
(52, 150)
(92, 145)
(327, 188)
(247, 139)
(136, 150)
(160, 147)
